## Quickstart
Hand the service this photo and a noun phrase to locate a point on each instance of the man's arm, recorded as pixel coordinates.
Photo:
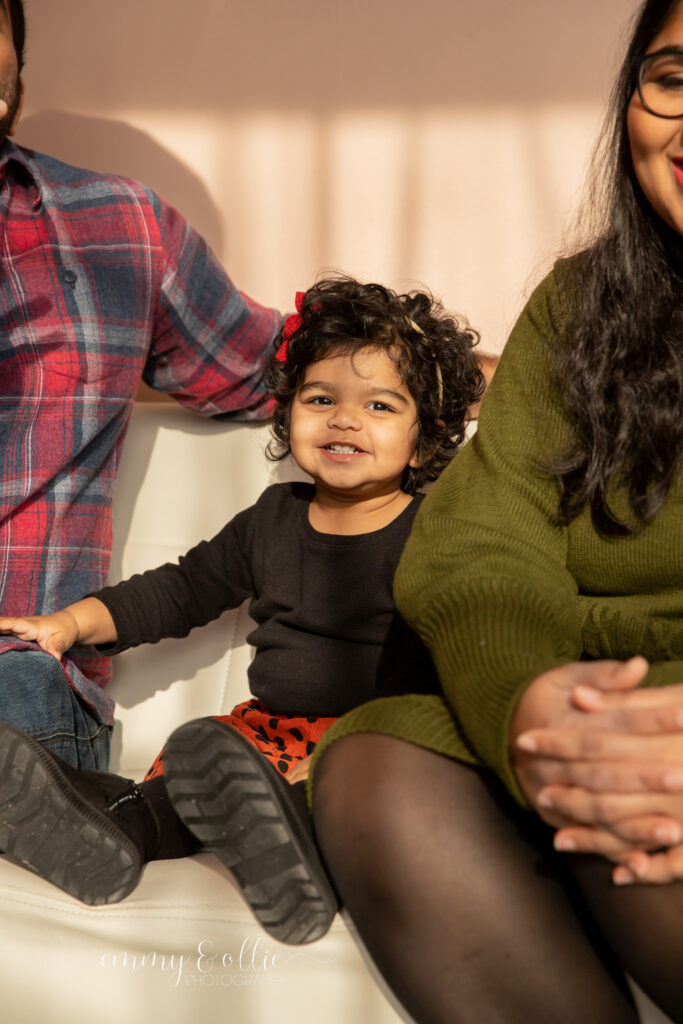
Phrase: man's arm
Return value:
(210, 342)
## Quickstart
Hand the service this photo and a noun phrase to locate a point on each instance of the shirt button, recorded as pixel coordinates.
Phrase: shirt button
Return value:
(70, 276)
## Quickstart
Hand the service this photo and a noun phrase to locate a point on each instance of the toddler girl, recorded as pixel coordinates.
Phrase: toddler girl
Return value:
(372, 390)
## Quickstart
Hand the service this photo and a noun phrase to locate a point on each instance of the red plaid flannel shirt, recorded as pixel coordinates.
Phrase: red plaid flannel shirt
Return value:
(101, 283)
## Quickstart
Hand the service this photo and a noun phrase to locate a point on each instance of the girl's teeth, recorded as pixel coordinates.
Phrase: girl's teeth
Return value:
(341, 449)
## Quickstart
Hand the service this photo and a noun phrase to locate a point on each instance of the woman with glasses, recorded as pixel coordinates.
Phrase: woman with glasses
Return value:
(508, 854)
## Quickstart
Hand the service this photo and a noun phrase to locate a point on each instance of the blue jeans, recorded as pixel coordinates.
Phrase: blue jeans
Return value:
(36, 697)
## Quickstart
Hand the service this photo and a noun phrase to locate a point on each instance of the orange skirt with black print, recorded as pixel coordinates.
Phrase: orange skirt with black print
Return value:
(283, 739)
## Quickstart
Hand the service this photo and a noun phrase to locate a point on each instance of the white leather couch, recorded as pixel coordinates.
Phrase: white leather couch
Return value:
(182, 947)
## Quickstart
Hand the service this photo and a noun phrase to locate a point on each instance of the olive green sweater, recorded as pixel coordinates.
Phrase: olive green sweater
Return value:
(499, 592)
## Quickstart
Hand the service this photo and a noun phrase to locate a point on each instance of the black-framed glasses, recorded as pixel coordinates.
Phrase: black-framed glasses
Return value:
(660, 81)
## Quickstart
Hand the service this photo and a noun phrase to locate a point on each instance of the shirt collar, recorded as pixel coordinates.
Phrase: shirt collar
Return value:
(17, 160)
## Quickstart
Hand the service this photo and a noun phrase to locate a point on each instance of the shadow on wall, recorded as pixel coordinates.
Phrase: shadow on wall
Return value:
(117, 148)
(225, 55)
(442, 143)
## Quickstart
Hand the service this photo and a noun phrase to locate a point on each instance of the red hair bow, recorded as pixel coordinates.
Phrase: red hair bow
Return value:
(292, 324)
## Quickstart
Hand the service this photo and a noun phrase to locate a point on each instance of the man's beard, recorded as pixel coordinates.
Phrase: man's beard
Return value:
(11, 98)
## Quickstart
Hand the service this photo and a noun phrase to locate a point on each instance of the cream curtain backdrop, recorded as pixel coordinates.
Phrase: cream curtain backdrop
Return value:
(439, 142)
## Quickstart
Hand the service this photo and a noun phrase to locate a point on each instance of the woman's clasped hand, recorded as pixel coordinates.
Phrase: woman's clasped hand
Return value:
(602, 762)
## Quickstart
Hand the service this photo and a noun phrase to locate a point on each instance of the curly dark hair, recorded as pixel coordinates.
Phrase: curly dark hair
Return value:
(620, 366)
(340, 315)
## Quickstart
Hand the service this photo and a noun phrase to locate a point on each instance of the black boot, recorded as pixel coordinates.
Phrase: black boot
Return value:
(242, 810)
(87, 832)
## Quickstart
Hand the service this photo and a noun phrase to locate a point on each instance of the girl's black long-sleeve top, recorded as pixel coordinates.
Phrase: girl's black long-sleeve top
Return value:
(327, 637)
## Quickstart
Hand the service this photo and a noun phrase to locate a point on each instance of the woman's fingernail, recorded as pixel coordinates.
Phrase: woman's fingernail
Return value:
(622, 876)
(667, 834)
(564, 844)
(544, 800)
(674, 780)
(637, 868)
(526, 742)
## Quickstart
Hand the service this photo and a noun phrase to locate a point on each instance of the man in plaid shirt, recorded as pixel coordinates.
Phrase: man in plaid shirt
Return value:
(101, 284)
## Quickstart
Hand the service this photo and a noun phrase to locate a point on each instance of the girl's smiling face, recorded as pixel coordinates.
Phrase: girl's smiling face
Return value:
(353, 425)
(657, 143)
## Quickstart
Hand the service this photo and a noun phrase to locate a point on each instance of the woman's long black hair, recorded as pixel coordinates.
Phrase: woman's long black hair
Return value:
(620, 368)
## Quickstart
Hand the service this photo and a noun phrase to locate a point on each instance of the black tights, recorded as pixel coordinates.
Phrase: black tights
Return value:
(467, 911)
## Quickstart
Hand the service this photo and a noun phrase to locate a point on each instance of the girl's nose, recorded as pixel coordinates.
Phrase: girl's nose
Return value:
(344, 417)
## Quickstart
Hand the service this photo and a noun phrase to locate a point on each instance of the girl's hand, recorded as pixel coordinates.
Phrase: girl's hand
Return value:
(299, 771)
(55, 633)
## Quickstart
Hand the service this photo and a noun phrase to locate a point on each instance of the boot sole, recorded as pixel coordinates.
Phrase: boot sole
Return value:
(235, 803)
(52, 831)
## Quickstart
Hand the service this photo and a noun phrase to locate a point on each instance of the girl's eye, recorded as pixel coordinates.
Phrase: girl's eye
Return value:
(380, 407)
(319, 400)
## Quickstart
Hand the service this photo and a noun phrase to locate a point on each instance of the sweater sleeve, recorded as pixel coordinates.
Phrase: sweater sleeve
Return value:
(484, 578)
(664, 673)
(174, 598)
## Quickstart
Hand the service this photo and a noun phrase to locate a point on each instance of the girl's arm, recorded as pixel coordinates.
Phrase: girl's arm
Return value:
(167, 601)
(85, 622)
